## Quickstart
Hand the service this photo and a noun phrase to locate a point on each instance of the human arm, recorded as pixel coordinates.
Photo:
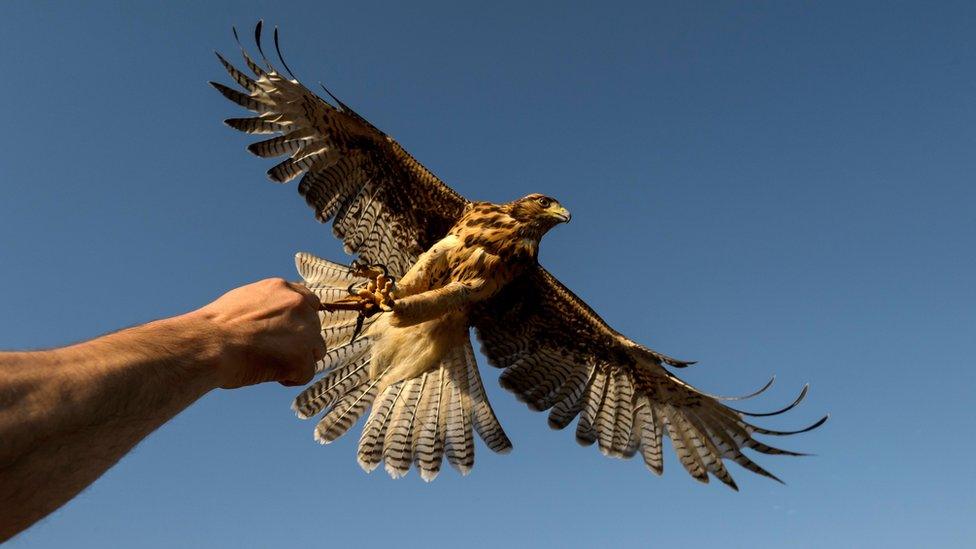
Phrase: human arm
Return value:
(68, 414)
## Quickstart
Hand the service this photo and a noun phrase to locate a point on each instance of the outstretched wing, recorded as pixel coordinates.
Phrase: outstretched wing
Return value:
(559, 354)
(387, 208)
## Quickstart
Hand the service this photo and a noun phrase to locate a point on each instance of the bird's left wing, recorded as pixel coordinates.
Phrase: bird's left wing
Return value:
(385, 206)
(559, 354)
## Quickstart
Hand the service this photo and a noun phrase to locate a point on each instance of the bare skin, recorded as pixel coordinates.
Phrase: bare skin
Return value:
(67, 415)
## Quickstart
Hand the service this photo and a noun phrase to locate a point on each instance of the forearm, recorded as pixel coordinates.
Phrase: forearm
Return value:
(67, 415)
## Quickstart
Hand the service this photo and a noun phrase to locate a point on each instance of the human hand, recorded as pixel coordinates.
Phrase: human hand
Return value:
(265, 331)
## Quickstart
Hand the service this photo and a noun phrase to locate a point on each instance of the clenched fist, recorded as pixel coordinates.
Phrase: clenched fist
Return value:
(265, 331)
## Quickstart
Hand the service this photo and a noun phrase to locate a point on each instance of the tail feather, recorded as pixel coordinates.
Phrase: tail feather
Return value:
(342, 355)
(331, 293)
(415, 422)
(483, 417)
(458, 443)
(398, 444)
(429, 443)
(339, 331)
(345, 413)
(370, 452)
(326, 391)
(322, 272)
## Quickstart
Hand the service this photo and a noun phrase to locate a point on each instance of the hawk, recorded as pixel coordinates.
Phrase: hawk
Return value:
(430, 266)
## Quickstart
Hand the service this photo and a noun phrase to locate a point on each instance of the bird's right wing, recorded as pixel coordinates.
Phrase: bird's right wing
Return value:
(387, 208)
(559, 354)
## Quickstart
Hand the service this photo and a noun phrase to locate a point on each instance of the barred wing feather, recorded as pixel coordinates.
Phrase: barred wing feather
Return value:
(385, 206)
(559, 355)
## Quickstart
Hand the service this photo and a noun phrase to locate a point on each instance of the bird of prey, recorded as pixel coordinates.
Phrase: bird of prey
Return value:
(430, 265)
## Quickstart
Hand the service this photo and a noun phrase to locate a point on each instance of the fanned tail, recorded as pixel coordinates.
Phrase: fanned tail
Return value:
(421, 420)
(414, 422)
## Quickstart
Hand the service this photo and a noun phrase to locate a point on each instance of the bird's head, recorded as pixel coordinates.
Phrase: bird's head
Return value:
(539, 212)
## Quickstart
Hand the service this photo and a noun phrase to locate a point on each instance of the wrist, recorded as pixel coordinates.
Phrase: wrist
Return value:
(201, 346)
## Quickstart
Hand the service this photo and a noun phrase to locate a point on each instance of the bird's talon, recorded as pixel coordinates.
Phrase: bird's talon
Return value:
(371, 271)
(374, 297)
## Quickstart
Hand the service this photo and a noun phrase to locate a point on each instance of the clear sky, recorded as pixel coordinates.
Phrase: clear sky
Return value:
(766, 187)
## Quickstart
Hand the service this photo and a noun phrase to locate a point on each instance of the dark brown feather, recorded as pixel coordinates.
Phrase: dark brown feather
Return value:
(536, 317)
(417, 208)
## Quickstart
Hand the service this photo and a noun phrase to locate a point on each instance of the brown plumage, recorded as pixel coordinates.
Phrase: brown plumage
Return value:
(461, 264)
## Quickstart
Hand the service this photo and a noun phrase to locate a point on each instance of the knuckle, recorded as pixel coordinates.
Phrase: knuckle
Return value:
(293, 299)
(277, 282)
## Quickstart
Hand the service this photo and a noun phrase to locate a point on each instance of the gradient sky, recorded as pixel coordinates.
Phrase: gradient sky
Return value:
(770, 187)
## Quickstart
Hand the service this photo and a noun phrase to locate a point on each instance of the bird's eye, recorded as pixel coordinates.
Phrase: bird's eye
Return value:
(545, 202)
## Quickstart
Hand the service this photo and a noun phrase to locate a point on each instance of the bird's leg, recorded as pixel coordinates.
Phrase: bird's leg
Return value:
(424, 306)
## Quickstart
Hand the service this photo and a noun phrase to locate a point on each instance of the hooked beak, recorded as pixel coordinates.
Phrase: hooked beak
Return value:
(563, 215)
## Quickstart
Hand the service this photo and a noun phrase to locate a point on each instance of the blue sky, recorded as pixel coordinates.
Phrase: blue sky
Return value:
(766, 187)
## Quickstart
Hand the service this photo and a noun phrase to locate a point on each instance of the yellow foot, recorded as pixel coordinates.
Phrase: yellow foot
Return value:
(375, 297)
